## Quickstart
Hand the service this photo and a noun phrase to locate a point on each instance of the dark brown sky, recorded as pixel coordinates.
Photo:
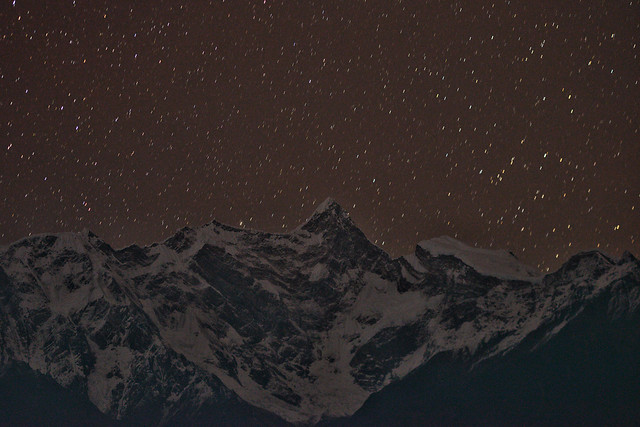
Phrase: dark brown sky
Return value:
(510, 124)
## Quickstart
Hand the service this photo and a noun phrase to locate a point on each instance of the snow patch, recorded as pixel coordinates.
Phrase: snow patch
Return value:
(270, 287)
(318, 272)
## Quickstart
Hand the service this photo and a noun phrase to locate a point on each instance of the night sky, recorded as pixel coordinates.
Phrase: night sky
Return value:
(507, 124)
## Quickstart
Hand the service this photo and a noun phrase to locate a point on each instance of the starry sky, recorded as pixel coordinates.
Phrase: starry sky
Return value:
(506, 124)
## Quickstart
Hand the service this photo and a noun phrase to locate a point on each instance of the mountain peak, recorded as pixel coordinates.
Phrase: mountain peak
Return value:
(329, 205)
(627, 257)
(327, 215)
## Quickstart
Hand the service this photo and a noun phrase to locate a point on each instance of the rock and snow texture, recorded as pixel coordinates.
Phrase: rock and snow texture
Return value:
(304, 325)
(496, 263)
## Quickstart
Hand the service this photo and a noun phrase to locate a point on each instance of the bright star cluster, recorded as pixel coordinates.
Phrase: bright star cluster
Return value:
(506, 124)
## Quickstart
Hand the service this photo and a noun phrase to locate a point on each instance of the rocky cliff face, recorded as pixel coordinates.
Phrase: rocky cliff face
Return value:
(297, 327)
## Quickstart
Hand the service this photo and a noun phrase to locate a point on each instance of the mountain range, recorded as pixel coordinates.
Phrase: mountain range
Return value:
(227, 326)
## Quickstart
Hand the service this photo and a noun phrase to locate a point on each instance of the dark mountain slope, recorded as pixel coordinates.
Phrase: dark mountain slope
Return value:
(586, 374)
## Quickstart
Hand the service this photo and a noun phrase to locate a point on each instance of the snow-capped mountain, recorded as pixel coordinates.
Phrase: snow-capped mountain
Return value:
(246, 327)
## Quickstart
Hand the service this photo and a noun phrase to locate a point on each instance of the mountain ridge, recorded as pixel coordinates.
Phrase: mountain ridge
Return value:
(329, 204)
(305, 326)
